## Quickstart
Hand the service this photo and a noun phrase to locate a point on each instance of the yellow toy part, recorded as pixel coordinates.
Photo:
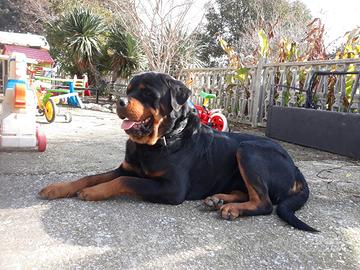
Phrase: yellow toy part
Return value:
(50, 111)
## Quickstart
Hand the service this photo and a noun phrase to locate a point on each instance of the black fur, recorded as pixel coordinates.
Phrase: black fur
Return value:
(196, 161)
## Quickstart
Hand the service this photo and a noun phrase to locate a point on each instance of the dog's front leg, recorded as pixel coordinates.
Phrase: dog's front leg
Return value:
(70, 189)
(148, 189)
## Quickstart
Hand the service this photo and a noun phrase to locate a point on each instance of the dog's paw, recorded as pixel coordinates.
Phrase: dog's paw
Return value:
(213, 202)
(57, 190)
(91, 194)
(229, 211)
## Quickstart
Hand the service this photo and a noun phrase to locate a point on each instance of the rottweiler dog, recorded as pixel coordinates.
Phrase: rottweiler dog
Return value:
(171, 157)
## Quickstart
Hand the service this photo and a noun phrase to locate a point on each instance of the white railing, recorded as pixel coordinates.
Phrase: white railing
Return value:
(284, 83)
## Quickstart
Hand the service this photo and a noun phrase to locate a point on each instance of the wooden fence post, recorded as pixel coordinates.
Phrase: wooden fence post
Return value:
(257, 93)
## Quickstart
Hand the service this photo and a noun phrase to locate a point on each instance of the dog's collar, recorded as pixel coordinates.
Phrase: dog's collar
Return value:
(174, 135)
(163, 141)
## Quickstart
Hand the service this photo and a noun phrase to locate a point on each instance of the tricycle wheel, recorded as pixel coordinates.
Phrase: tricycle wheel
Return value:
(219, 122)
(50, 111)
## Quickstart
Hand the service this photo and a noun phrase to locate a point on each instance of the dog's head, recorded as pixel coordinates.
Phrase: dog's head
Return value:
(151, 98)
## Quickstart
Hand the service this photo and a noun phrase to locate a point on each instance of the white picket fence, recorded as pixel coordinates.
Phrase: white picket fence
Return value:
(248, 102)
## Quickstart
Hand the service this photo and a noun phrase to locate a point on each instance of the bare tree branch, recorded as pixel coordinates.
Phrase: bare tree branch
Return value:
(160, 26)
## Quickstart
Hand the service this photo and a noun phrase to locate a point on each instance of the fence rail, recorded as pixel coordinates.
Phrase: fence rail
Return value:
(282, 84)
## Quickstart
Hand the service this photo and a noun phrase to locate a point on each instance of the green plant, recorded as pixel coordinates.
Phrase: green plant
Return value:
(264, 48)
(233, 57)
(351, 49)
(123, 51)
(82, 42)
(75, 39)
(83, 33)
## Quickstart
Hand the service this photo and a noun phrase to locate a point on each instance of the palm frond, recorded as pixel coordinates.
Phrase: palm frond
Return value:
(125, 51)
(81, 31)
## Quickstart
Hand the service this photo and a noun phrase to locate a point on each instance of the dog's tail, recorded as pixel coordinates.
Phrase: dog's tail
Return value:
(288, 205)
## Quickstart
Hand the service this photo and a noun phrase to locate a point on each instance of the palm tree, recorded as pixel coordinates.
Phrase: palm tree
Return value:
(81, 43)
(124, 52)
(79, 33)
(83, 31)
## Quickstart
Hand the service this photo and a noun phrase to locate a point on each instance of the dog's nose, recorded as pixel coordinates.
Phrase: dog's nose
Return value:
(123, 102)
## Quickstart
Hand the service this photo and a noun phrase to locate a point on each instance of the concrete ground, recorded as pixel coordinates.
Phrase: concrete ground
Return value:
(124, 233)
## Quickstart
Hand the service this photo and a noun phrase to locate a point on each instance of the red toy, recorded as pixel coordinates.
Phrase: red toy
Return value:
(213, 118)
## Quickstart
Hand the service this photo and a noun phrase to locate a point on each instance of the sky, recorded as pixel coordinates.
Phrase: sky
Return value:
(339, 16)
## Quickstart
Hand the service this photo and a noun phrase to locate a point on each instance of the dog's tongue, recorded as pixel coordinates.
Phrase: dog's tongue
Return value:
(127, 124)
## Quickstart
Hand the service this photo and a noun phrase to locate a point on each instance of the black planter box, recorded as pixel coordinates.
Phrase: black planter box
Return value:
(334, 132)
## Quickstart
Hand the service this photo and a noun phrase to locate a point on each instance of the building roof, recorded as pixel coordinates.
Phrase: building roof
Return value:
(40, 55)
(26, 40)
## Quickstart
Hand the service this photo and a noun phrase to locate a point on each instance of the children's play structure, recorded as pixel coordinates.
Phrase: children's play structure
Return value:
(18, 128)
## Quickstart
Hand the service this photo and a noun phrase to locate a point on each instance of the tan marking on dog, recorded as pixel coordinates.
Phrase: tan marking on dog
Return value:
(157, 121)
(127, 166)
(296, 188)
(59, 190)
(234, 196)
(155, 173)
(234, 210)
(218, 200)
(107, 190)
(254, 197)
(130, 168)
(154, 135)
(136, 111)
(69, 189)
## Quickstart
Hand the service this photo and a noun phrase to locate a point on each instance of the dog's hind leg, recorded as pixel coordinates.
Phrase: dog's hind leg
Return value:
(216, 201)
(252, 173)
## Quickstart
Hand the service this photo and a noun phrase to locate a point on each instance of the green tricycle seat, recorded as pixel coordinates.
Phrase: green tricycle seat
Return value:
(60, 91)
(207, 95)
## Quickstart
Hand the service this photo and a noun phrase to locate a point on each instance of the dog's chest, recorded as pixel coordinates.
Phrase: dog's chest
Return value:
(152, 165)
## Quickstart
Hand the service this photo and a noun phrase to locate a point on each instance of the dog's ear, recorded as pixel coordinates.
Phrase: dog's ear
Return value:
(179, 94)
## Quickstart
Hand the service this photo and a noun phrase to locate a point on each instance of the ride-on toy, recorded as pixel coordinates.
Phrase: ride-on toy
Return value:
(47, 98)
(18, 128)
(46, 105)
(213, 118)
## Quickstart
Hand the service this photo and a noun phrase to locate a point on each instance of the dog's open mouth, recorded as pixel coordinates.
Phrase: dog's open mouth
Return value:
(138, 128)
